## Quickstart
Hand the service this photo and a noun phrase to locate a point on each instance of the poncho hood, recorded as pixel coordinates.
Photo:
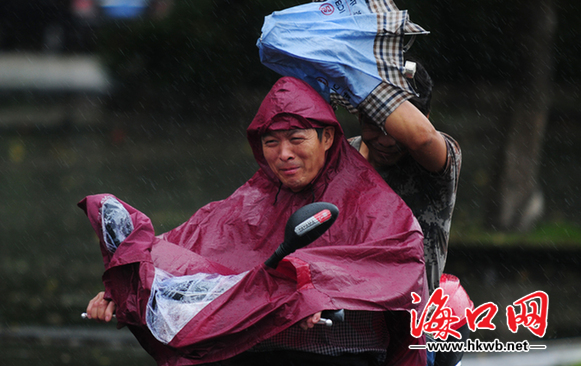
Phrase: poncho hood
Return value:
(293, 104)
(371, 259)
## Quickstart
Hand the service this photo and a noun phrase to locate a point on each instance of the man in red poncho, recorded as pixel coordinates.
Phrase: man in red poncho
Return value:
(368, 263)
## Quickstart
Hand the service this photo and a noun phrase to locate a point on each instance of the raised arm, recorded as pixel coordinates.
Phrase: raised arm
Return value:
(414, 131)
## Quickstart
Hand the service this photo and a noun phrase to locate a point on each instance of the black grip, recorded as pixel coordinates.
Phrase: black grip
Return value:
(334, 315)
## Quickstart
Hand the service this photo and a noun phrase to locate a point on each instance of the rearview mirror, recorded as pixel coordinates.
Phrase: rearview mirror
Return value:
(304, 226)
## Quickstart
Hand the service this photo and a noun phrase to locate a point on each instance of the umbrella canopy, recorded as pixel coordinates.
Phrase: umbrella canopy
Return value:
(346, 50)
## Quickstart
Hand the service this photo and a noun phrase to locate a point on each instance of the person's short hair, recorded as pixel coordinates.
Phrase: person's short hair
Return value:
(320, 133)
(422, 84)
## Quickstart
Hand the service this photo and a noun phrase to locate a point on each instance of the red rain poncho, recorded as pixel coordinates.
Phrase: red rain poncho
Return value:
(371, 259)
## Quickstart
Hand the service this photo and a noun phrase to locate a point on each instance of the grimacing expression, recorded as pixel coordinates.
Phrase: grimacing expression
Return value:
(296, 156)
(383, 149)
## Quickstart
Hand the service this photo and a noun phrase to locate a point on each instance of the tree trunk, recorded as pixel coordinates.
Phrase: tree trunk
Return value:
(517, 201)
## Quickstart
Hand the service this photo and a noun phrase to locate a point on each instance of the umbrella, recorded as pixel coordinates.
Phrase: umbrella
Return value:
(350, 51)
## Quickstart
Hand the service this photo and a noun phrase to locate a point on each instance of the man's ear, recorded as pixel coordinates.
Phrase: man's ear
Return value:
(328, 136)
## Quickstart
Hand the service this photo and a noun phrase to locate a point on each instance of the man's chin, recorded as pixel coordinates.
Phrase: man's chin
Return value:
(292, 184)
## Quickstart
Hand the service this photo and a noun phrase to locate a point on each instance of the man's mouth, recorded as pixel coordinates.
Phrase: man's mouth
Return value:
(289, 170)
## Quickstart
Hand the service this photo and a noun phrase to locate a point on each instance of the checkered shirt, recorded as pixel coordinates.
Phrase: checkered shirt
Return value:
(362, 331)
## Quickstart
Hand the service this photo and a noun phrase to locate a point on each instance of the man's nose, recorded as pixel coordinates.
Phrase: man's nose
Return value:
(286, 151)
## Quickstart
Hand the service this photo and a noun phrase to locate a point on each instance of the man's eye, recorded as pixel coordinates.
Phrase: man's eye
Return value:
(297, 140)
(269, 143)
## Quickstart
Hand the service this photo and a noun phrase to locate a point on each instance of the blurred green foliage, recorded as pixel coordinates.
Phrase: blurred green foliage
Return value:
(476, 40)
(550, 234)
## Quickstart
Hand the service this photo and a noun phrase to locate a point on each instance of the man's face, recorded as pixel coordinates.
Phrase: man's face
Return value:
(383, 149)
(296, 156)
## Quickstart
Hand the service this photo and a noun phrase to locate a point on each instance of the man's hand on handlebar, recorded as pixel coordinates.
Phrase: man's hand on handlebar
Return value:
(310, 321)
(101, 309)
